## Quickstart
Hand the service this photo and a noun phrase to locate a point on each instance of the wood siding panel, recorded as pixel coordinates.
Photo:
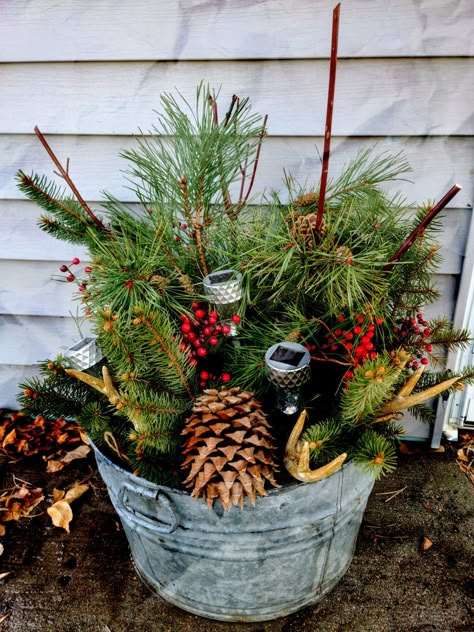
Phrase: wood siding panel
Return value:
(394, 97)
(11, 375)
(95, 163)
(28, 339)
(39, 30)
(53, 334)
(21, 238)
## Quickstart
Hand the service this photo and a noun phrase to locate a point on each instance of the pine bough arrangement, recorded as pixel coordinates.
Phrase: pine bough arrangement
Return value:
(221, 322)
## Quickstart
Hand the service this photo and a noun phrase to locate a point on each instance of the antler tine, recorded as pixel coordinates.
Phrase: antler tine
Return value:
(297, 457)
(104, 386)
(401, 402)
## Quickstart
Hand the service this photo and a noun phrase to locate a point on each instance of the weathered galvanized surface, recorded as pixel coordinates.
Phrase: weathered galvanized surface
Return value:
(253, 565)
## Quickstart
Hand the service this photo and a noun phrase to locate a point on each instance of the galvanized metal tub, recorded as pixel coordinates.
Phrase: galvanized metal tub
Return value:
(255, 564)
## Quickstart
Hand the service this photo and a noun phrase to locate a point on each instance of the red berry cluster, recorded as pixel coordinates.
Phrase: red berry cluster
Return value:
(415, 333)
(182, 226)
(354, 342)
(202, 334)
(71, 277)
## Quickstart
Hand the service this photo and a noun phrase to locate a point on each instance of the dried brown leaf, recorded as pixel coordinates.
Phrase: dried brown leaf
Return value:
(426, 544)
(60, 511)
(75, 492)
(9, 439)
(58, 494)
(78, 453)
(2, 529)
(461, 456)
(61, 514)
(54, 466)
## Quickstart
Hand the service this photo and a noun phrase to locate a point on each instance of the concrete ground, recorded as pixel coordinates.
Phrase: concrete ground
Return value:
(85, 581)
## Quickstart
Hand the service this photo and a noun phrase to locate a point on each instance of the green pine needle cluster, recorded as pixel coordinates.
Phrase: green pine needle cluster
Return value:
(325, 286)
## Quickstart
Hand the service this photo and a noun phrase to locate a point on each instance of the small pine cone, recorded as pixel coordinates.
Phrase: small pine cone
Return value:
(229, 451)
(158, 281)
(344, 255)
(293, 336)
(304, 226)
(307, 198)
(186, 283)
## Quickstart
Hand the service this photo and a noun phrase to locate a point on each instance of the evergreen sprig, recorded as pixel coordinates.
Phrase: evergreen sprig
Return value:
(375, 454)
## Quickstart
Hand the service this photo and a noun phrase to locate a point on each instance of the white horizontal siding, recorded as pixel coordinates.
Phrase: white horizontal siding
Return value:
(405, 81)
(437, 163)
(45, 30)
(28, 339)
(397, 97)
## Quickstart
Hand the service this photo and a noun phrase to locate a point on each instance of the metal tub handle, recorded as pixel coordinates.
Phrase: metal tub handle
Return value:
(138, 517)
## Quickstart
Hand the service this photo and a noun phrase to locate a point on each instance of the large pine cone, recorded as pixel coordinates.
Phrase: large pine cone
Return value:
(229, 448)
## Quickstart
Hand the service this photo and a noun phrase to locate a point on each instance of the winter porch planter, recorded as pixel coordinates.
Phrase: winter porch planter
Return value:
(222, 325)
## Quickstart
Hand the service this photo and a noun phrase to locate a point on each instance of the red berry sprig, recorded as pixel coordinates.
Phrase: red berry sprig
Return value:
(202, 334)
(414, 333)
(356, 343)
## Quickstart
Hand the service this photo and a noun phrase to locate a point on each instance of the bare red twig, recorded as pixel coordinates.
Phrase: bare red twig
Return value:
(261, 136)
(329, 111)
(65, 175)
(429, 217)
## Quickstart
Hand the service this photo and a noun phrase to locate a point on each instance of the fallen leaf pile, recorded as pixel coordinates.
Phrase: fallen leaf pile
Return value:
(18, 502)
(465, 455)
(22, 498)
(57, 440)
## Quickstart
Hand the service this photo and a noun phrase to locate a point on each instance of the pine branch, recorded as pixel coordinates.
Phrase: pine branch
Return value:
(65, 175)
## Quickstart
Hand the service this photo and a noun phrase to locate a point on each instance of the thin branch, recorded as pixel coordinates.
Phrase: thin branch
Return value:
(429, 217)
(27, 181)
(213, 104)
(231, 107)
(329, 111)
(198, 226)
(65, 175)
(261, 136)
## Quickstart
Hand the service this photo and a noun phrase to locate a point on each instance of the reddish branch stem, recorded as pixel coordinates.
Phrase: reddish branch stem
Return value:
(261, 136)
(329, 111)
(65, 175)
(429, 217)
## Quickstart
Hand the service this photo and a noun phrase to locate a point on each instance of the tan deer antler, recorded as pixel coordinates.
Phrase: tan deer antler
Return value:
(404, 398)
(297, 457)
(106, 387)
